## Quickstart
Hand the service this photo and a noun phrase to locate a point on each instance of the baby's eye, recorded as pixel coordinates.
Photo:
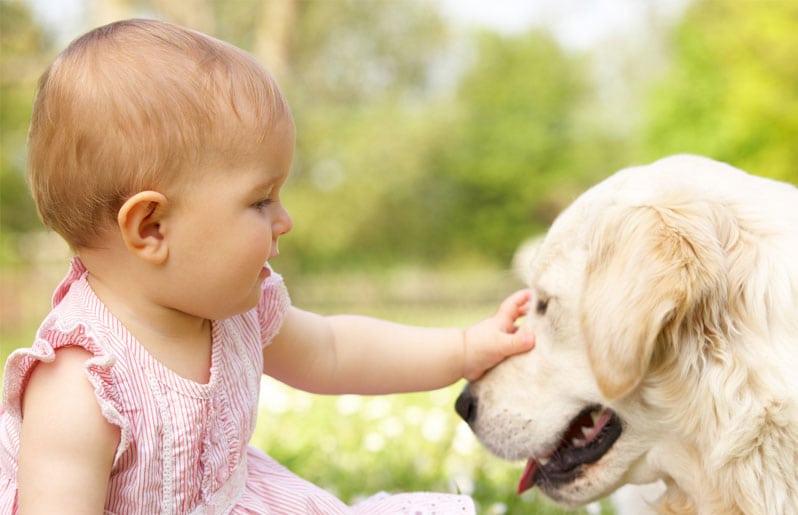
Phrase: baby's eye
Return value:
(262, 204)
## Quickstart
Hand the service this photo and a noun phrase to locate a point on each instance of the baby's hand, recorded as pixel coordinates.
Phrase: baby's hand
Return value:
(490, 341)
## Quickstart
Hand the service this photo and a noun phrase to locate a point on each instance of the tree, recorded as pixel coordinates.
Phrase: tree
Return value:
(23, 47)
(732, 91)
(358, 82)
(517, 150)
(399, 178)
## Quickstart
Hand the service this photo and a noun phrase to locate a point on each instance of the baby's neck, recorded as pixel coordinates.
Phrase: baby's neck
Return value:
(179, 341)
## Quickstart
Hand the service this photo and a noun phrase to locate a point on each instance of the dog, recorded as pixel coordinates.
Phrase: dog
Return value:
(665, 308)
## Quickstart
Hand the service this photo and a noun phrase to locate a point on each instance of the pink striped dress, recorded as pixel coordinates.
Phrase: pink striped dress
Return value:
(183, 445)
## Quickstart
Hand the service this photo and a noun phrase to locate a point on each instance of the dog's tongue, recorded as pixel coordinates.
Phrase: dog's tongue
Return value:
(528, 477)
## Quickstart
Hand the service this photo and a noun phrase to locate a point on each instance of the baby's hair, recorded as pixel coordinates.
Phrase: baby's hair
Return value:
(139, 105)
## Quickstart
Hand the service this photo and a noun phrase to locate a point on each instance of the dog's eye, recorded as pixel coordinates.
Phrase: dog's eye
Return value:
(541, 306)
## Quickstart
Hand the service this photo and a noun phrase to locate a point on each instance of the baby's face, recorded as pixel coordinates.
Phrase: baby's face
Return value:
(225, 228)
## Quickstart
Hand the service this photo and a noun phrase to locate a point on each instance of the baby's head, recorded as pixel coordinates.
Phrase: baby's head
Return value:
(141, 105)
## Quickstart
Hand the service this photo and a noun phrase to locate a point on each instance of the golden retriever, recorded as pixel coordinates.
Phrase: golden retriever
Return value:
(665, 309)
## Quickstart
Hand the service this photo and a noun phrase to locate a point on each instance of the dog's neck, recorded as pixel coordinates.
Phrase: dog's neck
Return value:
(757, 450)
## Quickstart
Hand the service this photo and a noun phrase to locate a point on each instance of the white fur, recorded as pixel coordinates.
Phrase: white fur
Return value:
(673, 294)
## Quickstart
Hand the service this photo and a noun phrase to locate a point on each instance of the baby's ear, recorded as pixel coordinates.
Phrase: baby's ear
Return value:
(139, 220)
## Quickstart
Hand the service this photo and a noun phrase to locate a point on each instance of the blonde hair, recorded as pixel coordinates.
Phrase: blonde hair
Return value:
(138, 105)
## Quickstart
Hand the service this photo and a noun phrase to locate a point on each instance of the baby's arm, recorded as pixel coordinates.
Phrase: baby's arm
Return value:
(356, 354)
(66, 446)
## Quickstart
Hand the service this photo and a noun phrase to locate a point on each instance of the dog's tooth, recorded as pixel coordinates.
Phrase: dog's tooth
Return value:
(595, 415)
(576, 442)
(543, 461)
(586, 430)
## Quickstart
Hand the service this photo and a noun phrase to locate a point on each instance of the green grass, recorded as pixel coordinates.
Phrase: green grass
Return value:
(356, 446)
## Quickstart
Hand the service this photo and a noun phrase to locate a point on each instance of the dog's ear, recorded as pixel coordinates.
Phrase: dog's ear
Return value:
(648, 268)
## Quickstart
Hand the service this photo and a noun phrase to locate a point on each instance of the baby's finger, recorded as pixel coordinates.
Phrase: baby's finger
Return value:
(514, 307)
(521, 341)
(516, 304)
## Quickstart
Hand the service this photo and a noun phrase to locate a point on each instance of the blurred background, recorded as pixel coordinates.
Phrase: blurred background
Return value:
(434, 137)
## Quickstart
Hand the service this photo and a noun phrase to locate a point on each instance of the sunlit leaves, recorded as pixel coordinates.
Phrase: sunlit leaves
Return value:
(732, 90)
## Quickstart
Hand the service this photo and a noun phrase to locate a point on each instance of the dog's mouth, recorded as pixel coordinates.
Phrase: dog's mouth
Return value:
(589, 436)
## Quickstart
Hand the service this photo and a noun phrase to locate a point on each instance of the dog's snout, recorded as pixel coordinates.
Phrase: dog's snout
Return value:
(466, 405)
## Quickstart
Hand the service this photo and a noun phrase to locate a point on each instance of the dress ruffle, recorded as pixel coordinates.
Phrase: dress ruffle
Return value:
(55, 333)
(273, 306)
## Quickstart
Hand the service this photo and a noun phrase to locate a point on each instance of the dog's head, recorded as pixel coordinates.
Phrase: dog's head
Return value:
(640, 288)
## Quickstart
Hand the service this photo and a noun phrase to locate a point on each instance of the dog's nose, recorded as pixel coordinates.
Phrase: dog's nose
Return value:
(466, 405)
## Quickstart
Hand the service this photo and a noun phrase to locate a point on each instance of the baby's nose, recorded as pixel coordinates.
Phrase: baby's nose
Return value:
(284, 223)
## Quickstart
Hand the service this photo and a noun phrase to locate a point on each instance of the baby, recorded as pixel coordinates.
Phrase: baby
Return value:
(159, 153)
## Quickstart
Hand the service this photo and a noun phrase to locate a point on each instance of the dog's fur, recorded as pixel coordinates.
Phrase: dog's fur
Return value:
(668, 293)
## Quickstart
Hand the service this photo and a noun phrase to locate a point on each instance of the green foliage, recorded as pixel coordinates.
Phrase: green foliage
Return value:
(354, 196)
(732, 90)
(395, 166)
(358, 84)
(510, 160)
(462, 179)
(21, 45)
(354, 54)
